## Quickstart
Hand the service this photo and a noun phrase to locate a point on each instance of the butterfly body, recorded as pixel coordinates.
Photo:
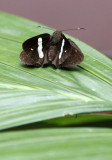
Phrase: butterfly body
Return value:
(55, 49)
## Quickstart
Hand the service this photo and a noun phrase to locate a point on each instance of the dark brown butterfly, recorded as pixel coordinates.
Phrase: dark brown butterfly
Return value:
(55, 49)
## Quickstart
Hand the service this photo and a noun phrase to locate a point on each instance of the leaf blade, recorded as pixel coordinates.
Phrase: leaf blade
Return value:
(57, 144)
(40, 87)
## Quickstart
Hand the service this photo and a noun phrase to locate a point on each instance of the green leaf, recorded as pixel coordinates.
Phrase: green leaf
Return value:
(57, 144)
(35, 94)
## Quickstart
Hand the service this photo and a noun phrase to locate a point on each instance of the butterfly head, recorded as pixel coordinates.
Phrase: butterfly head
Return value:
(56, 37)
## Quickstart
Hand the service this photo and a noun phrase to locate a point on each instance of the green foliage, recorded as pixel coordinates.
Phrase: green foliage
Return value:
(57, 144)
(45, 95)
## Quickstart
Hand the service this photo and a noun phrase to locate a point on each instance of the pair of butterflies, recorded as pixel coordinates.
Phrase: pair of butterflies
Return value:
(55, 49)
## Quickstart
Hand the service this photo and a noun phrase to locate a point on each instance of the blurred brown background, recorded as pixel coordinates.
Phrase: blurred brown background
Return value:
(95, 15)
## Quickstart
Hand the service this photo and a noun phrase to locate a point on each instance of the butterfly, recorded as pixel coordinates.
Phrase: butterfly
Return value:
(53, 49)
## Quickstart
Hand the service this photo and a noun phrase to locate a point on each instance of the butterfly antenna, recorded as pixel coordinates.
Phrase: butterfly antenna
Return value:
(71, 29)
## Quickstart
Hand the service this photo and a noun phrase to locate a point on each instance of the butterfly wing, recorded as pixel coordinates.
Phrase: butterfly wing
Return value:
(35, 50)
(63, 52)
(75, 57)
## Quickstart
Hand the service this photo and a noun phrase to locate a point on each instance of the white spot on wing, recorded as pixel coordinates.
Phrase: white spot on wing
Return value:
(61, 51)
(39, 49)
(31, 49)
